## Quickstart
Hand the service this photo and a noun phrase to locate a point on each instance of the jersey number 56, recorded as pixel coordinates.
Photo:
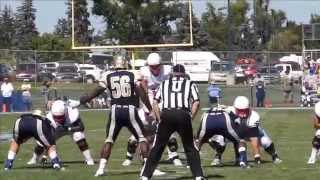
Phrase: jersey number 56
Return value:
(120, 86)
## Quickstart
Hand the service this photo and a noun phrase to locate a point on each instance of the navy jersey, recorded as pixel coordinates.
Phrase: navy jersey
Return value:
(121, 84)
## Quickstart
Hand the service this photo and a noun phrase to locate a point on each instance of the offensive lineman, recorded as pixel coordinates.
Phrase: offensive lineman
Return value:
(316, 139)
(125, 93)
(66, 120)
(36, 126)
(249, 121)
(152, 75)
(218, 121)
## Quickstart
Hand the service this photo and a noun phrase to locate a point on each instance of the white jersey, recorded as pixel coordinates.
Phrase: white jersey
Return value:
(155, 81)
(72, 116)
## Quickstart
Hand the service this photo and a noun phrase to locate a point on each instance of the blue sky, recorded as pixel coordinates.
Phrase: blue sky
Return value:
(48, 11)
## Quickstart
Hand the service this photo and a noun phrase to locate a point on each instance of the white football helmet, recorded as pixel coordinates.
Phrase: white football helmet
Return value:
(317, 109)
(58, 110)
(119, 62)
(242, 106)
(154, 59)
(37, 112)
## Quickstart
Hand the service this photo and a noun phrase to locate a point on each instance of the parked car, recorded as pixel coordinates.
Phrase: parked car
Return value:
(295, 70)
(68, 72)
(30, 72)
(91, 72)
(6, 72)
(222, 73)
(270, 74)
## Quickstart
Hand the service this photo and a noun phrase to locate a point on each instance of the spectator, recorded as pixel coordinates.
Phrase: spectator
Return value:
(260, 92)
(287, 87)
(50, 94)
(6, 92)
(214, 94)
(26, 95)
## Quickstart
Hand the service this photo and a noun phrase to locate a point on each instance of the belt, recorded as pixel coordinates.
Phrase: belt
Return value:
(174, 109)
(121, 106)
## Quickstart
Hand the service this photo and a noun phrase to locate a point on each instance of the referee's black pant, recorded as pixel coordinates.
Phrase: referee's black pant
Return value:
(171, 121)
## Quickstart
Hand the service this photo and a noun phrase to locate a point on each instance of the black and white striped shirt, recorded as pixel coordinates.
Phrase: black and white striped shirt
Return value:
(177, 92)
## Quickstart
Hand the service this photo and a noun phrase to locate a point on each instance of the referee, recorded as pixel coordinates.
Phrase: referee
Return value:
(178, 98)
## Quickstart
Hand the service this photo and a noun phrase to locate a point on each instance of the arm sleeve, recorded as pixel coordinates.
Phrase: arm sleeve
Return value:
(194, 92)
(157, 97)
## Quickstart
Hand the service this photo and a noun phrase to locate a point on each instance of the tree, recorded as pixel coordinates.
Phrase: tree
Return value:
(139, 21)
(7, 28)
(82, 32)
(25, 25)
(62, 28)
(287, 40)
(214, 23)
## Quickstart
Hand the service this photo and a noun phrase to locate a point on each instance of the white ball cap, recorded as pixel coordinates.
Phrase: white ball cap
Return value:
(241, 102)
(317, 109)
(153, 59)
(58, 108)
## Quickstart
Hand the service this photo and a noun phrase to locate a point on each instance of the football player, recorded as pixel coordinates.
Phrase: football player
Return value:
(316, 139)
(36, 126)
(67, 121)
(249, 127)
(218, 121)
(125, 94)
(151, 76)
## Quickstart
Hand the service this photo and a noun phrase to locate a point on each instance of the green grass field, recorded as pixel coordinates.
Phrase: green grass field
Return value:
(291, 131)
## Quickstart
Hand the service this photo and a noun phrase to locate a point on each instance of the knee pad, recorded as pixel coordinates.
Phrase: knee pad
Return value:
(132, 146)
(77, 136)
(173, 144)
(316, 142)
(265, 142)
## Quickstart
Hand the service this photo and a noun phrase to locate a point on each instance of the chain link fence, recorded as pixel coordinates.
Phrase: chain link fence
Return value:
(69, 71)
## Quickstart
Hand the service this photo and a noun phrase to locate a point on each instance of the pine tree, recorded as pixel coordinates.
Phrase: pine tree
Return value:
(81, 22)
(6, 28)
(25, 25)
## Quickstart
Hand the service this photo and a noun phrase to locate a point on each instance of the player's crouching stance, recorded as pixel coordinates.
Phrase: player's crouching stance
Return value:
(36, 126)
(125, 93)
(67, 121)
(316, 139)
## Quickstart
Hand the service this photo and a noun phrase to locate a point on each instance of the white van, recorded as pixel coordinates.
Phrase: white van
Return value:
(295, 70)
(197, 63)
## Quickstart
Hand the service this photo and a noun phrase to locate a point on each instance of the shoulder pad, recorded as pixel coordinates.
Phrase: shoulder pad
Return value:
(254, 116)
(73, 114)
(144, 72)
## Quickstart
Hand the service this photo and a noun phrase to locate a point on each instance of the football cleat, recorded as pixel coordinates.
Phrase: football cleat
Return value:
(56, 166)
(257, 160)
(90, 162)
(8, 164)
(32, 161)
(243, 165)
(126, 162)
(199, 178)
(216, 162)
(157, 172)
(311, 161)
(277, 161)
(144, 178)
(177, 162)
(100, 172)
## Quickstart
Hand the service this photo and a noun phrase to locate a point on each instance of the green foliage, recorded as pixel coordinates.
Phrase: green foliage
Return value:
(81, 22)
(135, 21)
(25, 25)
(7, 28)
